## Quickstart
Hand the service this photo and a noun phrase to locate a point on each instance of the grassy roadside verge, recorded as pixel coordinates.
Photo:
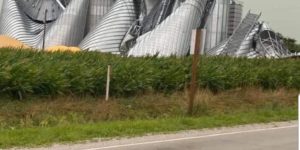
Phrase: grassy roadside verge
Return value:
(70, 133)
(43, 121)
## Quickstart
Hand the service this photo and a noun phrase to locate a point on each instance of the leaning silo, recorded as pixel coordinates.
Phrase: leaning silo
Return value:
(107, 36)
(68, 29)
(217, 24)
(15, 24)
(97, 9)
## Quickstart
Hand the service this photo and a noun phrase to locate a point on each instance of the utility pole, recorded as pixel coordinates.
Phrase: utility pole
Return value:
(197, 46)
(193, 85)
(198, 37)
(45, 27)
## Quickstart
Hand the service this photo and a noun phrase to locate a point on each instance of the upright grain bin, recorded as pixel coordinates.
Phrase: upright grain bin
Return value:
(217, 24)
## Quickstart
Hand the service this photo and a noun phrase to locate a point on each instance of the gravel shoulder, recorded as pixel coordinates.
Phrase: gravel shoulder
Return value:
(99, 144)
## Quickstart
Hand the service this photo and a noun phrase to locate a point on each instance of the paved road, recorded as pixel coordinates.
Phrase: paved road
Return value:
(280, 139)
(279, 136)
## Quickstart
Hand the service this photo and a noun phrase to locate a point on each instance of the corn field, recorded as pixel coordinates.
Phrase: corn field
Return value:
(25, 73)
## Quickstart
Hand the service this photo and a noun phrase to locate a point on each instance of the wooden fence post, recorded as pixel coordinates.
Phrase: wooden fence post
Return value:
(108, 82)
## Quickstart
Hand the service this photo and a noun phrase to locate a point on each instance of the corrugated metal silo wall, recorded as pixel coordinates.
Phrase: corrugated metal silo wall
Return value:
(97, 9)
(1, 1)
(110, 31)
(68, 29)
(15, 24)
(217, 24)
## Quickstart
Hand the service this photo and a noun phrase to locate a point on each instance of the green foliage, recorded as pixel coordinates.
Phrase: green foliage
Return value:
(290, 43)
(25, 73)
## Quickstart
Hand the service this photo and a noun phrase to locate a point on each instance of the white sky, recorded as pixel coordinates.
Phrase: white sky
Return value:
(282, 15)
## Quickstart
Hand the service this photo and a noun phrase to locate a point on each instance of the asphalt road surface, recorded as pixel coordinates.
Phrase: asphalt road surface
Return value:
(275, 136)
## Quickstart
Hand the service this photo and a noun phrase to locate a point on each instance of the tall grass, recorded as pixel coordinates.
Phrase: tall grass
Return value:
(39, 121)
(24, 72)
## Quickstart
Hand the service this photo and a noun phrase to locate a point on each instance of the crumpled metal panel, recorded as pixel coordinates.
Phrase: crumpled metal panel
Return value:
(173, 35)
(246, 46)
(17, 25)
(240, 43)
(68, 29)
(110, 31)
(271, 46)
(150, 15)
(156, 12)
(240, 34)
(252, 41)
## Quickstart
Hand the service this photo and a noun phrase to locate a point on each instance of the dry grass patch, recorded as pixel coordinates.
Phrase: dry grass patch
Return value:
(69, 110)
(242, 99)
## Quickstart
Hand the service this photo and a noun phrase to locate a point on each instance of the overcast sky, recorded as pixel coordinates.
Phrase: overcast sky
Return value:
(282, 15)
